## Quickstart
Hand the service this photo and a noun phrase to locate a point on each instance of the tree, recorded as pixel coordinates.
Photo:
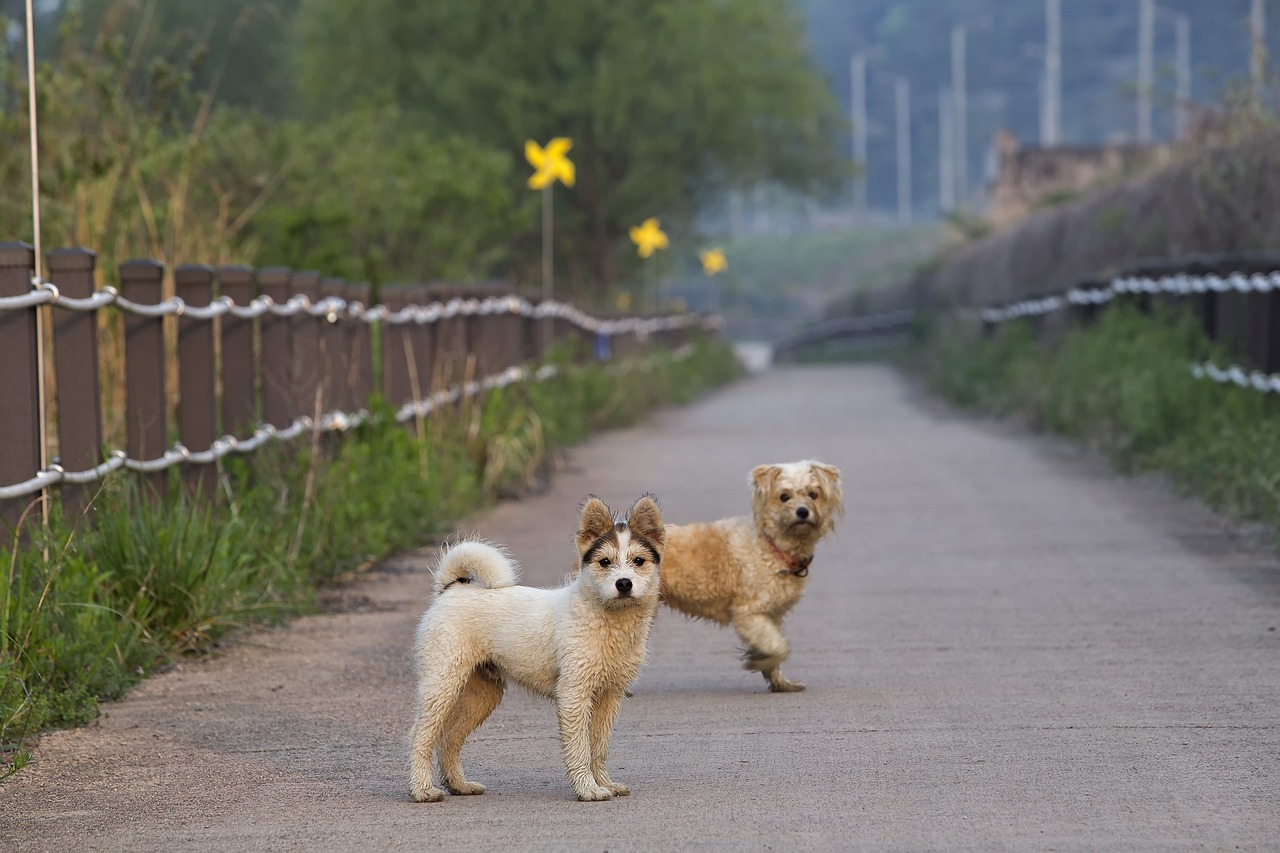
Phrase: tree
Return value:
(669, 102)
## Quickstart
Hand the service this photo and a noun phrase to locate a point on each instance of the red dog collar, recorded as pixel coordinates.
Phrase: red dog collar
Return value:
(796, 565)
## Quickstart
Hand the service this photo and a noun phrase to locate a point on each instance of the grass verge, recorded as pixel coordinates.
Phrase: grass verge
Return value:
(145, 581)
(1124, 384)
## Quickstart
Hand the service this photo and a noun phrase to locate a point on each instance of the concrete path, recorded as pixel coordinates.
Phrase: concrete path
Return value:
(1006, 646)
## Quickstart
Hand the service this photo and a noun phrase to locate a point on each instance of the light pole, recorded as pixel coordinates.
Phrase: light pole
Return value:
(1052, 134)
(902, 102)
(858, 81)
(959, 86)
(1182, 65)
(946, 151)
(1146, 66)
(1258, 52)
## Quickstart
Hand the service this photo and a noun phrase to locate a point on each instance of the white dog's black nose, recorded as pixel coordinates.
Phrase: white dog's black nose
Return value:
(624, 587)
(802, 512)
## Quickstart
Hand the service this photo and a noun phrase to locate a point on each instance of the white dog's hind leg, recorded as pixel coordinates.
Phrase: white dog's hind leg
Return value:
(436, 697)
(766, 649)
(574, 712)
(601, 728)
(481, 695)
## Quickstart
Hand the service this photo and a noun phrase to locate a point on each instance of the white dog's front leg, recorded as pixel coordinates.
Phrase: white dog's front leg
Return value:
(601, 728)
(574, 712)
(766, 649)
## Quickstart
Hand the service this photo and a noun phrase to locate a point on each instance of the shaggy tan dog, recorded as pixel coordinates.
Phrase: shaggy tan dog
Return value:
(580, 644)
(750, 572)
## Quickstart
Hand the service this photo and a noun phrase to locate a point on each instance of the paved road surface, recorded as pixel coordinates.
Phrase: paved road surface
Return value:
(1007, 647)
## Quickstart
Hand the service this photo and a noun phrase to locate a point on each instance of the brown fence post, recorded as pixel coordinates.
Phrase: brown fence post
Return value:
(76, 363)
(305, 355)
(142, 281)
(197, 423)
(333, 344)
(423, 339)
(359, 337)
(1230, 326)
(239, 400)
(451, 341)
(19, 386)
(277, 344)
(395, 366)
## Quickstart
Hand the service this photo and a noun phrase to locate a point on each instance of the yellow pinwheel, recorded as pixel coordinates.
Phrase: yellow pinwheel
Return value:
(713, 261)
(649, 237)
(550, 164)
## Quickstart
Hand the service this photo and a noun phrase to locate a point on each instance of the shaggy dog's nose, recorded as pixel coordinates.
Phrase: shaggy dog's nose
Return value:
(624, 586)
(802, 512)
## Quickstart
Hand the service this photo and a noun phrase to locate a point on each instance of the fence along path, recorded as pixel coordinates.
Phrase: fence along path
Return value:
(296, 354)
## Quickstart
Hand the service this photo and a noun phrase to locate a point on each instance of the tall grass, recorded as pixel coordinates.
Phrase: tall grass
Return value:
(144, 582)
(1125, 385)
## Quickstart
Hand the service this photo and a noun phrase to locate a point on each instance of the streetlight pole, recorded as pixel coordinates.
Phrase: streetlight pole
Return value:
(1146, 67)
(902, 100)
(858, 81)
(946, 151)
(961, 107)
(1258, 32)
(1053, 73)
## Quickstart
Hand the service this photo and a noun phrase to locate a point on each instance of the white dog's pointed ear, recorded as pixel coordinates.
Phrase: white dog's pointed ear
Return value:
(645, 518)
(596, 521)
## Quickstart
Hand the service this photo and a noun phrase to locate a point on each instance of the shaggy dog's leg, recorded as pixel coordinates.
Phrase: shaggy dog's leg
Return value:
(573, 711)
(481, 695)
(436, 697)
(601, 728)
(766, 649)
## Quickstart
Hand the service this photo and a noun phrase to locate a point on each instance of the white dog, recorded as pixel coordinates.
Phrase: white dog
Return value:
(750, 572)
(580, 644)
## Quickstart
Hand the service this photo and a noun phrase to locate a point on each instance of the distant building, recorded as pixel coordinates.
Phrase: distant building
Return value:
(1031, 177)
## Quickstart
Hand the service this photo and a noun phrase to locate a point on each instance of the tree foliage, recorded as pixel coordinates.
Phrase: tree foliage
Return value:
(669, 102)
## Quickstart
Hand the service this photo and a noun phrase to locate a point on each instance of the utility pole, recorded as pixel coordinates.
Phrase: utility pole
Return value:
(858, 81)
(1146, 67)
(1052, 73)
(902, 98)
(946, 152)
(961, 109)
(1258, 32)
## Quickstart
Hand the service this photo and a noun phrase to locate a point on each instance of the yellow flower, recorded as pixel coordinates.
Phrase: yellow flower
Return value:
(624, 301)
(550, 163)
(713, 261)
(648, 237)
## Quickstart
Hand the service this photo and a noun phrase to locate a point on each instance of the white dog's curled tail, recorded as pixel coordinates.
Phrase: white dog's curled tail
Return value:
(473, 561)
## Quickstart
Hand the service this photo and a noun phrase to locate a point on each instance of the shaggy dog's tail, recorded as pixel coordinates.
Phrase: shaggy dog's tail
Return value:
(473, 561)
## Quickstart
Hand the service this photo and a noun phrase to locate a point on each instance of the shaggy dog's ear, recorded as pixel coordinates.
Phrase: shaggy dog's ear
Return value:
(830, 476)
(645, 518)
(763, 477)
(596, 521)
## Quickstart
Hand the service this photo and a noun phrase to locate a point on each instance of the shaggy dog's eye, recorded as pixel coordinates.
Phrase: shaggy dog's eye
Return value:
(784, 497)
(605, 562)
(639, 561)
(813, 496)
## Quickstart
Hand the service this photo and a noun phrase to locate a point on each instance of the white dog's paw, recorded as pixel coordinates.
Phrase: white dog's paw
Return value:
(594, 794)
(618, 789)
(464, 788)
(426, 794)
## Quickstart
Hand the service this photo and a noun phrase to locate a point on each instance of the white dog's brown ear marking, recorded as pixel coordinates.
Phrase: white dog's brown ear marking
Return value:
(645, 519)
(596, 521)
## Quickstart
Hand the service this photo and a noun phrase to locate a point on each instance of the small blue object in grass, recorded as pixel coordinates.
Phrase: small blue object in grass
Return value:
(604, 349)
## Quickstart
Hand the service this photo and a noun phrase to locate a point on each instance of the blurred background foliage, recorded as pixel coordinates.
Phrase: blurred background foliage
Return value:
(381, 141)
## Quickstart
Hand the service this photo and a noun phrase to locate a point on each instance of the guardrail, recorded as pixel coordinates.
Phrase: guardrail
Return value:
(275, 354)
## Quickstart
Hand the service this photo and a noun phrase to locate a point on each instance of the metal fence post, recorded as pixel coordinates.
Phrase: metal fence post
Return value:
(142, 281)
(76, 364)
(239, 397)
(20, 435)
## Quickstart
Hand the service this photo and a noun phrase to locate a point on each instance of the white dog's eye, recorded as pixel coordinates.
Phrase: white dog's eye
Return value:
(605, 562)
(784, 497)
(639, 561)
(813, 496)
